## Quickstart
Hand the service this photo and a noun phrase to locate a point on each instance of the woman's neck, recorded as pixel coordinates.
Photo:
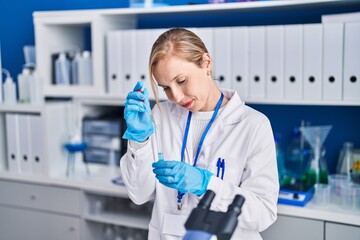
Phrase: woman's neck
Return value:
(214, 97)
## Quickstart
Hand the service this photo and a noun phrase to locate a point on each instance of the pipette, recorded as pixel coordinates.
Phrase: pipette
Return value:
(156, 130)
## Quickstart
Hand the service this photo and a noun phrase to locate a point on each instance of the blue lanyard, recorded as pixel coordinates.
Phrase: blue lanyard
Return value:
(217, 108)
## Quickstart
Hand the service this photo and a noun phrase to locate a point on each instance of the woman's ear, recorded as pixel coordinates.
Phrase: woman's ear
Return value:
(207, 63)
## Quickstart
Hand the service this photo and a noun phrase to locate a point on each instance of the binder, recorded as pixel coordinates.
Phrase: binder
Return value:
(207, 36)
(352, 62)
(257, 62)
(275, 62)
(12, 140)
(293, 67)
(36, 145)
(221, 64)
(240, 60)
(333, 43)
(128, 78)
(313, 56)
(143, 48)
(24, 143)
(113, 60)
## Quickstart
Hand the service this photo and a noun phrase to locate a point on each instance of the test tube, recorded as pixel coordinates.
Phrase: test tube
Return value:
(159, 144)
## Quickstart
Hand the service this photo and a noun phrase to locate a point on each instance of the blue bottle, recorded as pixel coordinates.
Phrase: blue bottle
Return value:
(280, 159)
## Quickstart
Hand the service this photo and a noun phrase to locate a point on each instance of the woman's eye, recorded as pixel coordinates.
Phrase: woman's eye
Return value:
(181, 81)
(166, 89)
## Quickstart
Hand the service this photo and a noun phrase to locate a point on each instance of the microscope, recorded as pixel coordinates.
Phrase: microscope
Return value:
(204, 224)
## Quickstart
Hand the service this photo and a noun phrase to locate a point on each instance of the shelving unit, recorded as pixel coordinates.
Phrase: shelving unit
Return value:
(49, 140)
(66, 28)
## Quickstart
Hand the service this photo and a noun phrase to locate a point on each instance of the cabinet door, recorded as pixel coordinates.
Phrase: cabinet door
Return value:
(295, 229)
(334, 231)
(19, 224)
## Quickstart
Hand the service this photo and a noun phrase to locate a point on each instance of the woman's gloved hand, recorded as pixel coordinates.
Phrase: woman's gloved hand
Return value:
(136, 114)
(182, 176)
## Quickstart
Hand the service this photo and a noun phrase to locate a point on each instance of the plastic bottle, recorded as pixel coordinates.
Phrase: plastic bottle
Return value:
(36, 89)
(109, 233)
(62, 70)
(9, 90)
(296, 160)
(85, 69)
(280, 158)
(75, 68)
(24, 79)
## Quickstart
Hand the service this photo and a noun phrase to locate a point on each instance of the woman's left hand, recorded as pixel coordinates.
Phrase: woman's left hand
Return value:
(182, 176)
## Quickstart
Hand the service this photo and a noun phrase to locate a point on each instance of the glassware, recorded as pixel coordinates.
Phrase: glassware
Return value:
(322, 194)
(316, 135)
(351, 197)
(337, 181)
(346, 159)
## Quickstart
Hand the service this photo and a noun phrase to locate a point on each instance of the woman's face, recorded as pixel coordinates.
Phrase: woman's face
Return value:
(185, 83)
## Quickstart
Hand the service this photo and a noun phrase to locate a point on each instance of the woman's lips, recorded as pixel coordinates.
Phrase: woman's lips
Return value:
(187, 104)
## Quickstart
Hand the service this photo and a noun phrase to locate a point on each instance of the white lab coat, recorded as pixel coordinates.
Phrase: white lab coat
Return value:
(240, 135)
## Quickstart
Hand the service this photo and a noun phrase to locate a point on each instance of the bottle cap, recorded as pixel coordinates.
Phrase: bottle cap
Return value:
(86, 54)
(62, 56)
(26, 71)
(8, 80)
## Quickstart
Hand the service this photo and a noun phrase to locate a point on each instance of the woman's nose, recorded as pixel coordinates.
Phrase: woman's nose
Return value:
(178, 95)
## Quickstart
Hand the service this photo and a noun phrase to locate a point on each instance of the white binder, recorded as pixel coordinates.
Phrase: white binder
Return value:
(36, 145)
(257, 62)
(12, 140)
(293, 61)
(113, 62)
(222, 51)
(313, 56)
(333, 43)
(207, 36)
(352, 62)
(143, 48)
(128, 78)
(240, 60)
(275, 62)
(24, 144)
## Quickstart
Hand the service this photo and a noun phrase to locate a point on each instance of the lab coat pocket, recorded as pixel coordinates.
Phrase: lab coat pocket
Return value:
(174, 224)
(226, 169)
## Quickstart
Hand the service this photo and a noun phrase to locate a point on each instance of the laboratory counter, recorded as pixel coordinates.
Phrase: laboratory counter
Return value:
(330, 213)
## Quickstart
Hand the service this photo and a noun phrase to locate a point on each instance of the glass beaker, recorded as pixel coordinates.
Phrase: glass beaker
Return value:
(345, 160)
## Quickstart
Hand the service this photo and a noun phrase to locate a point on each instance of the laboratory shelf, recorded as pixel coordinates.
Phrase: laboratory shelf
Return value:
(53, 17)
(124, 218)
(21, 108)
(301, 102)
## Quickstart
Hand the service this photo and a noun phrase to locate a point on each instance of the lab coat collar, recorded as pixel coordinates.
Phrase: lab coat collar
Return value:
(230, 114)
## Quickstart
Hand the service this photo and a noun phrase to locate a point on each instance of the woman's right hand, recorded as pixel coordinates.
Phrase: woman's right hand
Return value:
(136, 114)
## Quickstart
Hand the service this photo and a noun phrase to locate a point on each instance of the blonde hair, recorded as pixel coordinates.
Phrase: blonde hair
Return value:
(178, 42)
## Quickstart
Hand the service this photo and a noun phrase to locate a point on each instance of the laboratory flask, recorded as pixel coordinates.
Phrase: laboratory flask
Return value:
(315, 136)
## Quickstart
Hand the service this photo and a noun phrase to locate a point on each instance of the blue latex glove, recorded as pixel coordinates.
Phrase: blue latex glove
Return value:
(182, 176)
(136, 114)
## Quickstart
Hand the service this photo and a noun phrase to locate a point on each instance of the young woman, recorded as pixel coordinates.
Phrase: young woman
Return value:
(210, 140)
